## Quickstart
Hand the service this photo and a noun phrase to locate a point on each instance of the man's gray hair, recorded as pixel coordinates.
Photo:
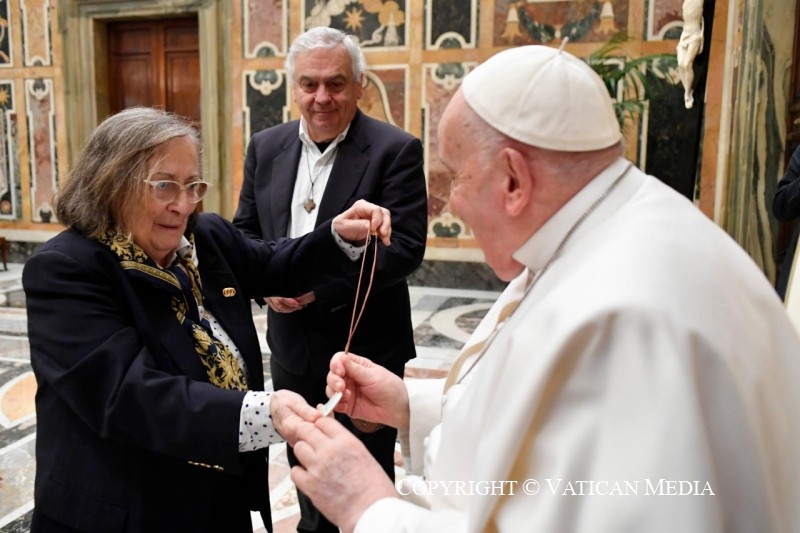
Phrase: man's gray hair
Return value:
(326, 38)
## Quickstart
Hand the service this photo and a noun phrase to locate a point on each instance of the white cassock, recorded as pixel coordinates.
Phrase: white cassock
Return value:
(651, 365)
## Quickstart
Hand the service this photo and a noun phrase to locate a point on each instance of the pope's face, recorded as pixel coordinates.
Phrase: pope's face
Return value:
(476, 188)
(326, 91)
(159, 225)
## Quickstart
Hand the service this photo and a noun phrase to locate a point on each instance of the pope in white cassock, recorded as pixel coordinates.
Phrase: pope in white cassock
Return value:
(638, 374)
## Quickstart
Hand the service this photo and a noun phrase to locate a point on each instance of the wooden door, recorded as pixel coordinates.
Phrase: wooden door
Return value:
(155, 63)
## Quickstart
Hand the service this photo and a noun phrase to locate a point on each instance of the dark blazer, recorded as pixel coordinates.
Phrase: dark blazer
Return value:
(786, 208)
(130, 435)
(377, 162)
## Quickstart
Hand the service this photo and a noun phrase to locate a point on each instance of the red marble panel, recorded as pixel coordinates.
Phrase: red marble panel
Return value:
(42, 144)
(664, 16)
(385, 95)
(518, 22)
(37, 31)
(441, 82)
(263, 22)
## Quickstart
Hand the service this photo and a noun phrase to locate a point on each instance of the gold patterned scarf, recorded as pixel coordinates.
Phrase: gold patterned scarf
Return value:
(182, 281)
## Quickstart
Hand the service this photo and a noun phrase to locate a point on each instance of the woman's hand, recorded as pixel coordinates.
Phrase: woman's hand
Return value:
(362, 220)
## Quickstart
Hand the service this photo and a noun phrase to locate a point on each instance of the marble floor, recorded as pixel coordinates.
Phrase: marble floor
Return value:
(443, 320)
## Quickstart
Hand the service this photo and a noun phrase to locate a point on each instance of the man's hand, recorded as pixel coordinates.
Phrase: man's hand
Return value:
(280, 304)
(369, 391)
(289, 411)
(363, 219)
(338, 473)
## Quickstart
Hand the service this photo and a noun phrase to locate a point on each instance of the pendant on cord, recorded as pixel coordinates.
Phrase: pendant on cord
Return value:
(309, 205)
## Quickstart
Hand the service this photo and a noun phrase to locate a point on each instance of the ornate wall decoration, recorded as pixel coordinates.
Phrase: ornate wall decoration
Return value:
(40, 107)
(519, 22)
(36, 44)
(451, 19)
(264, 27)
(9, 153)
(664, 20)
(6, 55)
(265, 100)
(418, 52)
(441, 80)
(376, 23)
(385, 94)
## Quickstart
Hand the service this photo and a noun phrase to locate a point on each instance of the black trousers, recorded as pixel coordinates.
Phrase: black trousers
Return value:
(381, 444)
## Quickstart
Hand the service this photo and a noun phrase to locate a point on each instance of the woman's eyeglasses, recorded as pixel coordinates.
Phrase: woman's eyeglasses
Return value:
(168, 191)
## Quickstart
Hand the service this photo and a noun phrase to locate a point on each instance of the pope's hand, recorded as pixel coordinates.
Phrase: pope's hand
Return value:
(337, 472)
(369, 391)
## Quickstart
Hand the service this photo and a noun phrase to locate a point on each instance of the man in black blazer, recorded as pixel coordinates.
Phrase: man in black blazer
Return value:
(309, 170)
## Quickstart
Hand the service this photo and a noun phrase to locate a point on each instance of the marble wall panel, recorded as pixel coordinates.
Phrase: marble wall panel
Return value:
(451, 20)
(6, 54)
(266, 98)
(40, 107)
(385, 94)
(404, 39)
(376, 24)
(441, 80)
(759, 115)
(36, 44)
(521, 22)
(9, 153)
(664, 20)
(264, 27)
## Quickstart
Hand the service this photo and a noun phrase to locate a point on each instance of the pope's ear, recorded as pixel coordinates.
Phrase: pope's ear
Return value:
(518, 180)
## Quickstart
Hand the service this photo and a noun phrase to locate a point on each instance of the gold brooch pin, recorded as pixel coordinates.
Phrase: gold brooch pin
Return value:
(229, 292)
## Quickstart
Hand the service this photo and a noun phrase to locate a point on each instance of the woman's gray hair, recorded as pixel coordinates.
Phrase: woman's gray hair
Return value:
(326, 38)
(102, 189)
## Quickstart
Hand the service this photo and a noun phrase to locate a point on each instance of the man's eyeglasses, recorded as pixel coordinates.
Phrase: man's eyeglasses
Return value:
(167, 190)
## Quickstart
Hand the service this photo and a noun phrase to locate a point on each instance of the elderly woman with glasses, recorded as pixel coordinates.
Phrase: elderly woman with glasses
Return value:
(151, 413)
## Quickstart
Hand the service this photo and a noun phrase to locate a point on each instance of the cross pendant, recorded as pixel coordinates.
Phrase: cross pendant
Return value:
(309, 205)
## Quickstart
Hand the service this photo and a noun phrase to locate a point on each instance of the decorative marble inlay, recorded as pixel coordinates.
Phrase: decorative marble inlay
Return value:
(376, 23)
(441, 80)
(9, 153)
(42, 147)
(451, 19)
(36, 44)
(6, 55)
(385, 94)
(266, 101)
(756, 142)
(518, 22)
(664, 19)
(264, 24)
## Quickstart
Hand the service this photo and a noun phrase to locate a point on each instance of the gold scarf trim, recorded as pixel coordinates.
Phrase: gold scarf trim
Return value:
(221, 365)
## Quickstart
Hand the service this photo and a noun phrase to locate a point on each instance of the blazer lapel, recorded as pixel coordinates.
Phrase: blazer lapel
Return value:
(284, 174)
(348, 170)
